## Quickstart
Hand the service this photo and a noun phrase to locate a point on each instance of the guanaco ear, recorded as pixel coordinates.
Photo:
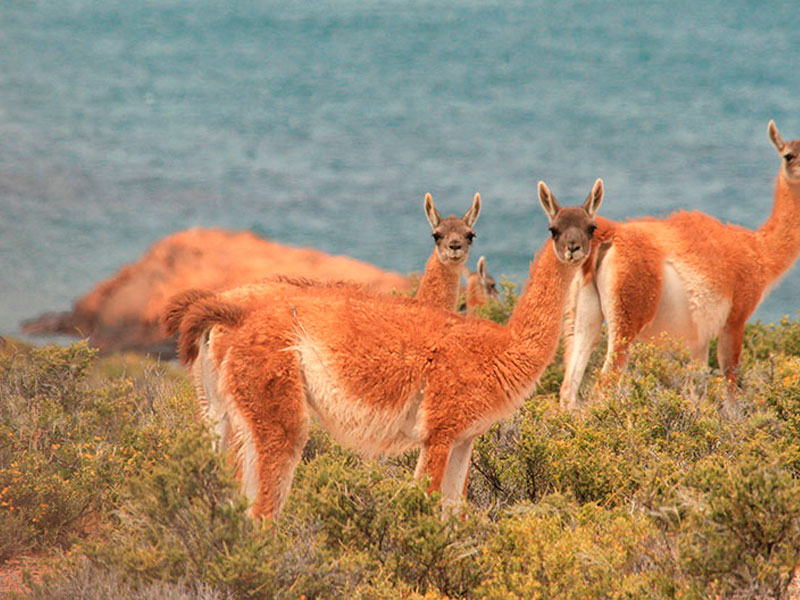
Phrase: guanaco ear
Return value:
(775, 137)
(482, 268)
(595, 198)
(472, 214)
(548, 201)
(434, 218)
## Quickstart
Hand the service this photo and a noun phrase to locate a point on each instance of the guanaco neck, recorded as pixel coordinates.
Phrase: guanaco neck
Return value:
(535, 325)
(439, 284)
(779, 237)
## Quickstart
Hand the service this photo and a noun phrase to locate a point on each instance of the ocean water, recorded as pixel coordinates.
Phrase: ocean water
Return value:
(323, 124)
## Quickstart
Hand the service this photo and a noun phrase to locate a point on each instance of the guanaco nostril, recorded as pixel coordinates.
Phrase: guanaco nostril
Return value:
(455, 245)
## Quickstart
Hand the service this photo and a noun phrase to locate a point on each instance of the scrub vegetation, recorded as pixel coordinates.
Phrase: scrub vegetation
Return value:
(664, 486)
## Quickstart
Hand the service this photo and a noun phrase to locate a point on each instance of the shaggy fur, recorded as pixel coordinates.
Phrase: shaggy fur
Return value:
(177, 306)
(438, 286)
(375, 382)
(688, 275)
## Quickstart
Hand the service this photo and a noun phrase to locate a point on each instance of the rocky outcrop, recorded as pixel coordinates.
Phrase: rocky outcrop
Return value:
(122, 312)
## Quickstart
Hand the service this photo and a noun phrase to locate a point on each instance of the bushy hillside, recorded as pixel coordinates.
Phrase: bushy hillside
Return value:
(664, 486)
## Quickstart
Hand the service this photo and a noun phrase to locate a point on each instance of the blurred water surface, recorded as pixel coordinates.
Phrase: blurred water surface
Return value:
(323, 124)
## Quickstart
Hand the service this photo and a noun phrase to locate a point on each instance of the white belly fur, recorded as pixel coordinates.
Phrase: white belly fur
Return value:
(688, 309)
(369, 429)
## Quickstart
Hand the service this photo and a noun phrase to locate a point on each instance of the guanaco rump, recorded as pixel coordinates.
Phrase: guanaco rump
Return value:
(382, 374)
(688, 276)
(439, 286)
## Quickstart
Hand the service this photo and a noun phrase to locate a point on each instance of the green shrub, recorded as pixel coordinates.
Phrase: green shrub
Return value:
(348, 531)
(58, 464)
(740, 534)
(782, 396)
(369, 527)
(68, 443)
(644, 428)
(183, 521)
(499, 308)
(560, 549)
(83, 579)
(761, 341)
(663, 486)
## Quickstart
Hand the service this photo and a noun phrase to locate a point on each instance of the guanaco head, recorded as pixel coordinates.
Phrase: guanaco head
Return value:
(483, 280)
(480, 285)
(789, 151)
(453, 235)
(572, 227)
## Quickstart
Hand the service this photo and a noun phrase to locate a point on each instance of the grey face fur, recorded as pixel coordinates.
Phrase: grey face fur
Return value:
(572, 227)
(452, 235)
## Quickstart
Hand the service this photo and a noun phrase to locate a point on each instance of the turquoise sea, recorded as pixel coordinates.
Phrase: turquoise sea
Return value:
(324, 123)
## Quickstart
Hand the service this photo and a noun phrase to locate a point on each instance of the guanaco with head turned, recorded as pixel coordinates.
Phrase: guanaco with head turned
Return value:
(480, 287)
(688, 276)
(377, 384)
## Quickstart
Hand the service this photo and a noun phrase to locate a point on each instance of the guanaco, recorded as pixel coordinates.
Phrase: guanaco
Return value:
(480, 287)
(440, 283)
(439, 286)
(382, 374)
(689, 276)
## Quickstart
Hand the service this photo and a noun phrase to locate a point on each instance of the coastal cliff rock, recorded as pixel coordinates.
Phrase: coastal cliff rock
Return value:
(122, 312)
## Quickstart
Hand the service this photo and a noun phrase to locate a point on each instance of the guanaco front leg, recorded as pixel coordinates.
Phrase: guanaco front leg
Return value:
(583, 323)
(455, 474)
(433, 459)
(447, 464)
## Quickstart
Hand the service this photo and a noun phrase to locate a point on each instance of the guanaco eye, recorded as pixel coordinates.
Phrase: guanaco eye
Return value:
(591, 229)
(789, 157)
(554, 232)
(470, 236)
(437, 237)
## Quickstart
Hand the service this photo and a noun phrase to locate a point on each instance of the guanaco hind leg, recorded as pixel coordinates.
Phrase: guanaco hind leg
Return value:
(212, 400)
(629, 285)
(271, 429)
(729, 349)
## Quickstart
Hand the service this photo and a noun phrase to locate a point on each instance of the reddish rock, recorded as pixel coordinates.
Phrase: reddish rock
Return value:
(122, 313)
